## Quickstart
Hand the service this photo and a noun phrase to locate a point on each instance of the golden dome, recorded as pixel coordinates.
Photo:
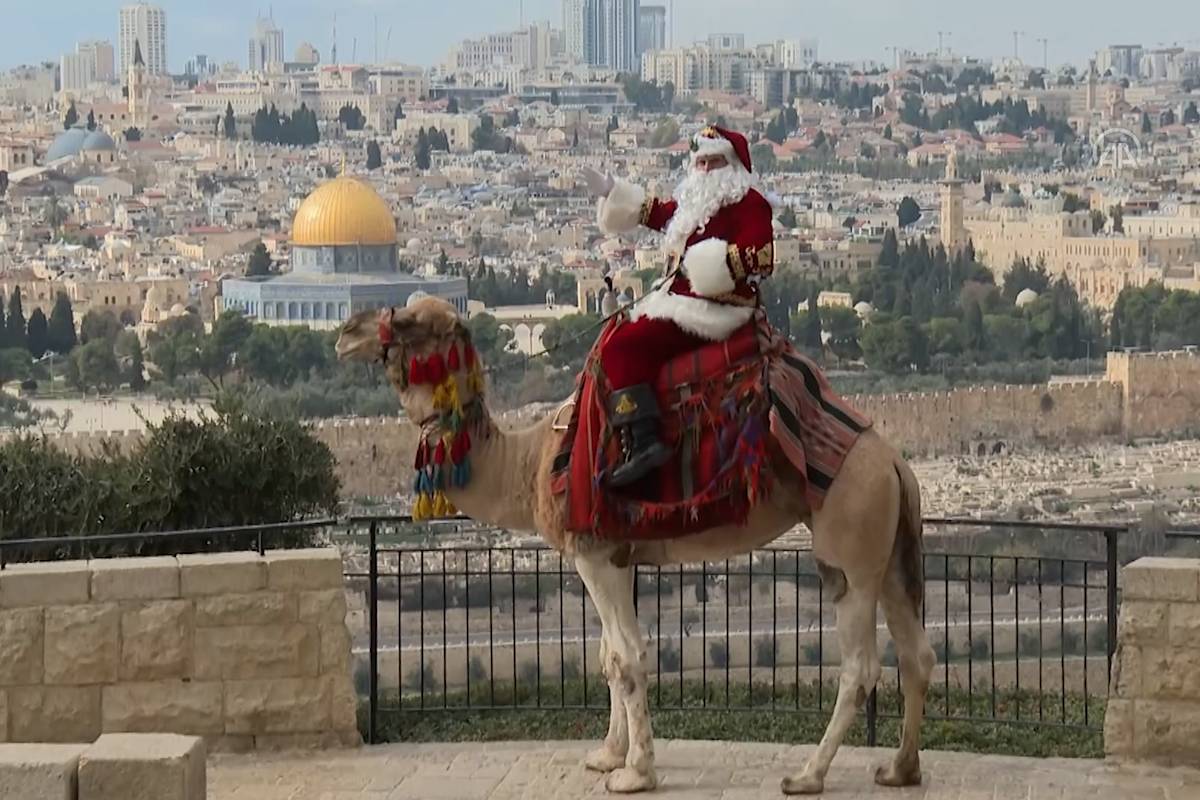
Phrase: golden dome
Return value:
(343, 211)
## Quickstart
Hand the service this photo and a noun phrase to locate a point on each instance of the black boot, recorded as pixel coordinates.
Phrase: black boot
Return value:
(634, 413)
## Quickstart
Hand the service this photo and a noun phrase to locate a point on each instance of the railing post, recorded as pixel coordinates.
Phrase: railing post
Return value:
(373, 633)
(872, 716)
(1110, 541)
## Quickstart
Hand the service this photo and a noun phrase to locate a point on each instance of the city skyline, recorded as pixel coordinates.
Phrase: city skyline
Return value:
(43, 33)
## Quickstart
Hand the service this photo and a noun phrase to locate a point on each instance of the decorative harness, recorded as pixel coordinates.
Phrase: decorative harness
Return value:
(443, 451)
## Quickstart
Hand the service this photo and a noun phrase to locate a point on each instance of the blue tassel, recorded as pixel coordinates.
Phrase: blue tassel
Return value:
(417, 482)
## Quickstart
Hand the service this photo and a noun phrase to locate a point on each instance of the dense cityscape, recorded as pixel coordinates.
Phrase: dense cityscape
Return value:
(285, 341)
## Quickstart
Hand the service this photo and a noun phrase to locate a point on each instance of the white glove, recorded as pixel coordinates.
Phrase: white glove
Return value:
(598, 184)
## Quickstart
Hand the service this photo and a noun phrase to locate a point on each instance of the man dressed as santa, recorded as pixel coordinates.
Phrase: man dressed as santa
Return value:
(719, 243)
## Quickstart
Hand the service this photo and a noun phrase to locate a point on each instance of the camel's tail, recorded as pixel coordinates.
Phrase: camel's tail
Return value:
(908, 551)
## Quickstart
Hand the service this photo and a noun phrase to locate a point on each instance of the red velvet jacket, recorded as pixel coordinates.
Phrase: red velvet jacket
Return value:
(744, 226)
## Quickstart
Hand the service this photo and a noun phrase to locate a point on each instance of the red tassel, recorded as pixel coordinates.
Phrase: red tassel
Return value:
(456, 451)
(435, 369)
(385, 327)
(422, 455)
(452, 359)
(416, 372)
(469, 354)
(439, 455)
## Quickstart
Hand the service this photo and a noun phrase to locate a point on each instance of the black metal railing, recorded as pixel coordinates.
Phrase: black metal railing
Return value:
(1025, 634)
(1023, 616)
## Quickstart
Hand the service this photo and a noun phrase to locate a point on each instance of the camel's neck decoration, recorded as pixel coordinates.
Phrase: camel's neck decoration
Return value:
(443, 452)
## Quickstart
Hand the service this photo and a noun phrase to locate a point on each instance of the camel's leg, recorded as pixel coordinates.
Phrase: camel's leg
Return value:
(916, 665)
(611, 589)
(860, 673)
(611, 754)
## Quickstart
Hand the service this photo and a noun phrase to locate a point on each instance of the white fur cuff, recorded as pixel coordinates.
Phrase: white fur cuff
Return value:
(706, 264)
(621, 211)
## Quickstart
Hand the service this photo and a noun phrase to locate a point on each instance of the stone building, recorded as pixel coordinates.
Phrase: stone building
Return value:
(344, 260)
(1098, 263)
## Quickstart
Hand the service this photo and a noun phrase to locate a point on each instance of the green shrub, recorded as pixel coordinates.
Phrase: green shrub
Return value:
(718, 654)
(229, 468)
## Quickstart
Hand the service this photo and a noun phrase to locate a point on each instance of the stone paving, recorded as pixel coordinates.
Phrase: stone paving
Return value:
(687, 770)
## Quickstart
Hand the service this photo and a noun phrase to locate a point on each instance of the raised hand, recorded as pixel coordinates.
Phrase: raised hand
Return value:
(597, 183)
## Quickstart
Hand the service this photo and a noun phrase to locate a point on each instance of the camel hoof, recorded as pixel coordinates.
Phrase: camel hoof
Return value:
(803, 784)
(897, 775)
(603, 759)
(628, 781)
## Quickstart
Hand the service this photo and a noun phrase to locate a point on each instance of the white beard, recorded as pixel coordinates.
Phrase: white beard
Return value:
(699, 197)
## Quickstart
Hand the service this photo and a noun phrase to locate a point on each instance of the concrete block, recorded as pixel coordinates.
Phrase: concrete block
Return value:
(1143, 622)
(307, 569)
(324, 607)
(258, 608)
(54, 714)
(277, 706)
(82, 644)
(257, 651)
(155, 578)
(143, 766)
(1162, 579)
(156, 640)
(221, 573)
(48, 584)
(39, 771)
(188, 707)
(21, 645)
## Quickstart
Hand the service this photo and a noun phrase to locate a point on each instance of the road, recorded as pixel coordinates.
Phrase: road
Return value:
(574, 636)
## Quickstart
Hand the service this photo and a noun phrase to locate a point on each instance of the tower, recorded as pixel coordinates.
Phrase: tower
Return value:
(1091, 86)
(954, 233)
(139, 90)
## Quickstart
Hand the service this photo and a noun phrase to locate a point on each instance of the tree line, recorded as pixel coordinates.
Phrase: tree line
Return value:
(299, 128)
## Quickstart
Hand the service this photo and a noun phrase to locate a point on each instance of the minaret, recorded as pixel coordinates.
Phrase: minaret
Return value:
(139, 91)
(1092, 80)
(954, 234)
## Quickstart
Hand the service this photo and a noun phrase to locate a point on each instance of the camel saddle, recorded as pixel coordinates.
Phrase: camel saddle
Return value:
(719, 405)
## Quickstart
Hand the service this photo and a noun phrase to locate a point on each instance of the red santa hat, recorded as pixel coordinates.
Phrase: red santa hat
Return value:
(714, 141)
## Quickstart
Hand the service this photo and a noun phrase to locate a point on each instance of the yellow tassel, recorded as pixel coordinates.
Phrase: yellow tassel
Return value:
(442, 506)
(452, 401)
(423, 509)
(475, 381)
(441, 398)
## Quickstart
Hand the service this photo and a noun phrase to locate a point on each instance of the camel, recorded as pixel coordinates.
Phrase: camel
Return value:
(866, 541)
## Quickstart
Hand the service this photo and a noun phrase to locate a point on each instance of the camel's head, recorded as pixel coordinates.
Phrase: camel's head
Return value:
(421, 346)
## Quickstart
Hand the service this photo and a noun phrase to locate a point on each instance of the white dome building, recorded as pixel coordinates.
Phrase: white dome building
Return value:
(1025, 297)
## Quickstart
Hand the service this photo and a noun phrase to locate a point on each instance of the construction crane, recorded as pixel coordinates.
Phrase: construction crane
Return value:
(1045, 52)
(1016, 44)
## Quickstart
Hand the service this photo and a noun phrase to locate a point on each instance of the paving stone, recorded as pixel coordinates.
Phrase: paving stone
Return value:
(687, 771)
(42, 771)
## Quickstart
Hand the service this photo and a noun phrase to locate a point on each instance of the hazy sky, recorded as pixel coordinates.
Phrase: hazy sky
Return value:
(422, 30)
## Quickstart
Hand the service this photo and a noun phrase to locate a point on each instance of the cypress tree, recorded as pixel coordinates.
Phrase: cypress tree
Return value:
(60, 332)
(14, 326)
(37, 335)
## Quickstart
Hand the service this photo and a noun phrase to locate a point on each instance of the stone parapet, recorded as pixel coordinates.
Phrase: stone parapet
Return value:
(1154, 700)
(245, 650)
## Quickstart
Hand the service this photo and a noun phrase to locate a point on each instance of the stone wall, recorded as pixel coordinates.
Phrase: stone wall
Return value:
(1154, 700)
(248, 651)
(942, 423)
(1141, 395)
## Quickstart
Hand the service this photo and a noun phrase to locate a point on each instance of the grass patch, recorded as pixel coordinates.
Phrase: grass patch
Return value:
(692, 710)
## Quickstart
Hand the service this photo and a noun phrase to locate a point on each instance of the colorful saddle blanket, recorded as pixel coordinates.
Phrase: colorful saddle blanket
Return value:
(720, 404)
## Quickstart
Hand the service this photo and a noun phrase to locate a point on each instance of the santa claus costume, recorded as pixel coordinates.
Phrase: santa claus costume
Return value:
(718, 237)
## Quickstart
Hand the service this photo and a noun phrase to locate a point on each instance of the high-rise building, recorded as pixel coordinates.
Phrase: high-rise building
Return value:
(795, 53)
(1121, 60)
(652, 28)
(77, 71)
(101, 54)
(266, 46)
(616, 34)
(727, 41)
(603, 33)
(577, 29)
(146, 25)
(306, 54)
